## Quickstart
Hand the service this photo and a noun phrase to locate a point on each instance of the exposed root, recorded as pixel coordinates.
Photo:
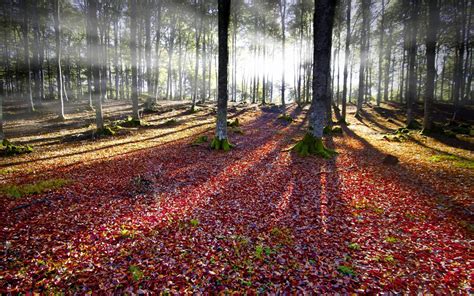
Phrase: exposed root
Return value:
(223, 144)
(312, 146)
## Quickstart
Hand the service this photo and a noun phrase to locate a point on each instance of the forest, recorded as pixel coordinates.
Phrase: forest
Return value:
(236, 146)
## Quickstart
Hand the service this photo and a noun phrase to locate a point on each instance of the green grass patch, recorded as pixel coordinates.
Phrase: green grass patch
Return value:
(136, 272)
(391, 240)
(346, 270)
(194, 222)
(18, 191)
(354, 246)
(457, 161)
(389, 259)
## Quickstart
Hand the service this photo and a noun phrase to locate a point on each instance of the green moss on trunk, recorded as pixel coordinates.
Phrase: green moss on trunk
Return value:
(223, 144)
(312, 146)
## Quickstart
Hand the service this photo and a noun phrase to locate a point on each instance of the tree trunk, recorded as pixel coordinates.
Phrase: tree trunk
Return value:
(382, 32)
(26, 44)
(92, 16)
(59, 78)
(133, 54)
(412, 48)
(363, 54)
(431, 38)
(346, 59)
(283, 41)
(221, 141)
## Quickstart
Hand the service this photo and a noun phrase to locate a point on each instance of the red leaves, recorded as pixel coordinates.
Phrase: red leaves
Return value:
(254, 219)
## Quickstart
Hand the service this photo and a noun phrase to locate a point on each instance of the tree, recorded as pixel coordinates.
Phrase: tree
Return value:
(59, 78)
(322, 29)
(220, 141)
(346, 59)
(133, 54)
(282, 4)
(363, 54)
(26, 44)
(413, 6)
(431, 36)
(382, 33)
(93, 53)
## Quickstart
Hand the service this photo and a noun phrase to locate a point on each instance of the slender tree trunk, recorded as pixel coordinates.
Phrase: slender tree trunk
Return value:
(431, 37)
(92, 17)
(59, 78)
(346, 59)
(133, 54)
(157, 51)
(458, 75)
(412, 49)
(26, 44)
(283, 41)
(382, 32)
(363, 54)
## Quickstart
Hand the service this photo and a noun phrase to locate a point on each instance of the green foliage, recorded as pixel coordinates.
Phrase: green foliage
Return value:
(136, 272)
(194, 222)
(17, 191)
(259, 251)
(354, 246)
(391, 240)
(312, 146)
(457, 161)
(346, 270)
(286, 118)
(9, 149)
(389, 259)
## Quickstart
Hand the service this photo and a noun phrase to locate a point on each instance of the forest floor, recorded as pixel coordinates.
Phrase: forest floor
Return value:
(147, 211)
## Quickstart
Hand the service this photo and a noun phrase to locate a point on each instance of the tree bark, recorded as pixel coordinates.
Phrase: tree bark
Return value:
(411, 49)
(431, 38)
(59, 78)
(94, 49)
(133, 54)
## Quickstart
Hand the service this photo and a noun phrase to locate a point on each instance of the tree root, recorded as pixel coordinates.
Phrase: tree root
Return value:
(223, 144)
(312, 146)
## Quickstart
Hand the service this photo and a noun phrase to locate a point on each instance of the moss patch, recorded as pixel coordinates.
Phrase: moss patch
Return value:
(18, 191)
(223, 144)
(456, 161)
(312, 146)
(234, 123)
(9, 149)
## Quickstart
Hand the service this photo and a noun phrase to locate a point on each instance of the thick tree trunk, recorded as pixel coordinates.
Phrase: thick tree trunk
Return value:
(322, 24)
(431, 38)
(388, 58)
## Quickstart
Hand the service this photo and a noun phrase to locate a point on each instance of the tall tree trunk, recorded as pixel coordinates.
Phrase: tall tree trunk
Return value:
(283, 44)
(26, 44)
(382, 33)
(346, 59)
(388, 58)
(431, 38)
(323, 24)
(59, 78)
(363, 54)
(412, 49)
(133, 54)
(458, 76)
(157, 50)
(220, 141)
(94, 49)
